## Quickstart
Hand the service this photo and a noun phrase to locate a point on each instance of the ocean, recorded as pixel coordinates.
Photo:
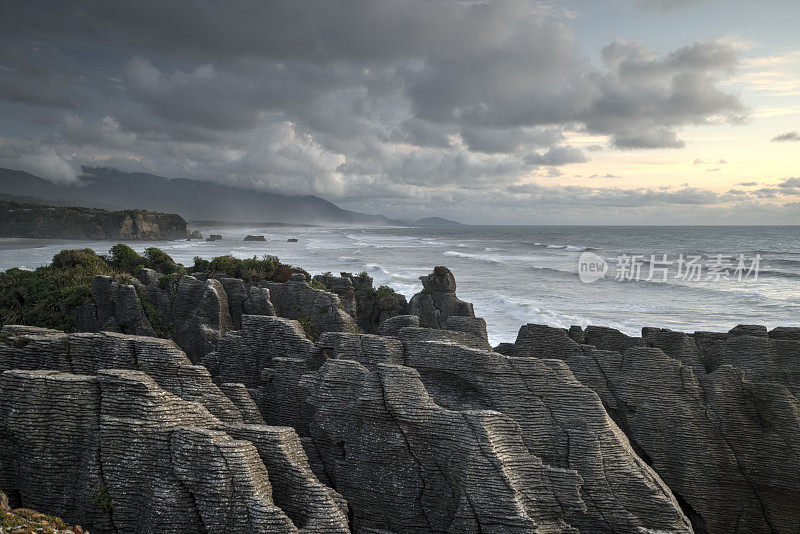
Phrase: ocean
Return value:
(682, 278)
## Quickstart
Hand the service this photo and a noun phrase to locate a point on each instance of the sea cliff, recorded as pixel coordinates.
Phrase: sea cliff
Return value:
(59, 222)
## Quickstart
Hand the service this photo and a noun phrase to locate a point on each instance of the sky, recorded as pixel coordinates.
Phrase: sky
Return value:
(488, 112)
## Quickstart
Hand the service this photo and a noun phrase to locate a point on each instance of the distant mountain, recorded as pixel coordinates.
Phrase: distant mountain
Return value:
(194, 200)
(436, 221)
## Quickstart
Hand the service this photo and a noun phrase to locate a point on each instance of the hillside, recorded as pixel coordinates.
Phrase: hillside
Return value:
(195, 200)
(19, 219)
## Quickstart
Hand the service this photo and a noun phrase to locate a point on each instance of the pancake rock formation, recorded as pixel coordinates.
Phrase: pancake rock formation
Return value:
(291, 408)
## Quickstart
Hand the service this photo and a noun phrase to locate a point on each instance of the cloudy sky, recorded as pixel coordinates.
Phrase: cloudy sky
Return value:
(503, 111)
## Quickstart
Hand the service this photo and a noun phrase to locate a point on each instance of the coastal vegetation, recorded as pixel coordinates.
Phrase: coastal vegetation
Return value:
(44, 297)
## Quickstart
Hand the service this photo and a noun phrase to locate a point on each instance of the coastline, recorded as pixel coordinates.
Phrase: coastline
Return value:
(16, 243)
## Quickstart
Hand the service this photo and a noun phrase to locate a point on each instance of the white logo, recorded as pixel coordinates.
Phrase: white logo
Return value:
(591, 267)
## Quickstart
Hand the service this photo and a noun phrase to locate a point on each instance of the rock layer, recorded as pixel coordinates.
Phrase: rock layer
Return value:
(421, 428)
(724, 441)
(127, 453)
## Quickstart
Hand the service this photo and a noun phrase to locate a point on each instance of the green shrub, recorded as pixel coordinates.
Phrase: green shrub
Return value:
(42, 297)
(165, 280)
(86, 258)
(316, 284)
(201, 265)
(268, 268)
(103, 500)
(125, 258)
(160, 261)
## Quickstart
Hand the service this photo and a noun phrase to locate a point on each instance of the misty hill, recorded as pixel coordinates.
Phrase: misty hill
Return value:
(195, 200)
(436, 221)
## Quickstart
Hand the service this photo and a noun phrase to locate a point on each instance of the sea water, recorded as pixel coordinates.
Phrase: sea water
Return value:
(517, 275)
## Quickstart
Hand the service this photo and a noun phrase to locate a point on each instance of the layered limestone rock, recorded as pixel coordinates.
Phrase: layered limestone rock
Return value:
(454, 336)
(269, 355)
(125, 455)
(391, 327)
(194, 312)
(725, 443)
(322, 310)
(246, 299)
(118, 308)
(244, 354)
(762, 356)
(88, 353)
(343, 287)
(422, 428)
(49, 452)
(405, 464)
(438, 301)
(200, 316)
(475, 326)
(563, 423)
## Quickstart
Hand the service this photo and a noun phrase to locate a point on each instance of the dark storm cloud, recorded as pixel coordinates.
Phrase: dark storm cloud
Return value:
(788, 136)
(337, 97)
(23, 80)
(558, 155)
(496, 140)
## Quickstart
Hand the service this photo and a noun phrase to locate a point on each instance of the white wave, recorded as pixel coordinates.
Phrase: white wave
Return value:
(569, 248)
(479, 257)
(375, 268)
